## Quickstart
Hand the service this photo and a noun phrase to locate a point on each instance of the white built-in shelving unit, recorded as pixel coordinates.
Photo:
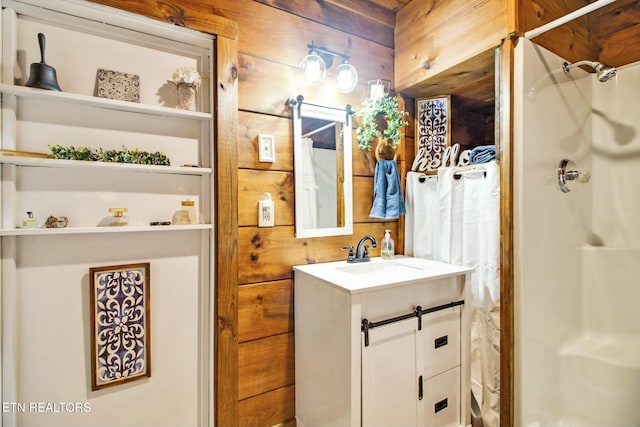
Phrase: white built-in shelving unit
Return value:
(35, 118)
(82, 37)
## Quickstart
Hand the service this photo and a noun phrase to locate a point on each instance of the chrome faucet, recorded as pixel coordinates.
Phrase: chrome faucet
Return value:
(362, 250)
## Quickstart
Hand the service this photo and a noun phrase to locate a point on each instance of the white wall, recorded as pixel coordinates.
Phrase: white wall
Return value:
(76, 69)
(616, 159)
(51, 329)
(550, 226)
(562, 373)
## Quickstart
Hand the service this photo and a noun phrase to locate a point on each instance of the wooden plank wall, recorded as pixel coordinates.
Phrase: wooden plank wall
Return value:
(258, 389)
(268, 77)
(572, 41)
(266, 255)
(434, 36)
(618, 33)
(609, 35)
(255, 375)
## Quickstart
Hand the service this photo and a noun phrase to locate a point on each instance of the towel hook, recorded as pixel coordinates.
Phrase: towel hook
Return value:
(385, 150)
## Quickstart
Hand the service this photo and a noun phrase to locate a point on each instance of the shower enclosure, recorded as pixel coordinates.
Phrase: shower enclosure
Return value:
(577, 253)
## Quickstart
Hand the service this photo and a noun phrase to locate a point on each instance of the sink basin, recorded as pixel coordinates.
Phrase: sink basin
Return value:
(383, 267)
(379, 273)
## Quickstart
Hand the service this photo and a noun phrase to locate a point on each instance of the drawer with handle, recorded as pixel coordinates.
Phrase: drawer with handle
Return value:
(440, 403)
(441, 341)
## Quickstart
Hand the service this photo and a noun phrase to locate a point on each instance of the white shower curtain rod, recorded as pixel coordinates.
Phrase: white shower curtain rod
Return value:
(458, 174)
(566, 18)
(477, 169)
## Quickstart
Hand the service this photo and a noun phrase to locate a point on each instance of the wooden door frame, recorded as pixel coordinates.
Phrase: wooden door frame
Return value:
(504, 110)
(226, 257)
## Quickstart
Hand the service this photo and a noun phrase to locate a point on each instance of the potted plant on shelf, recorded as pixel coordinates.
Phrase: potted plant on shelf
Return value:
(374, 114)
(125, 155)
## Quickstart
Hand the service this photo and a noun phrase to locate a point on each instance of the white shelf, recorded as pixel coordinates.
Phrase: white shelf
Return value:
(68, 164)
(90, 230)
(95, 102)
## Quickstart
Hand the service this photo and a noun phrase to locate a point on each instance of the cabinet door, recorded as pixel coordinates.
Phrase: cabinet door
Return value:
(389, 376)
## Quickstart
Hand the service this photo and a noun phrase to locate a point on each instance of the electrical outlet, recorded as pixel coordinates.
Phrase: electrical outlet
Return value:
(266, 148)
(266, 211)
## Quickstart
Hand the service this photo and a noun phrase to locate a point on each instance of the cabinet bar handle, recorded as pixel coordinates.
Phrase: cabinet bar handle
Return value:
(443, 307)
(440, 342)
(418, 312)
(420, 394)
(439, 406)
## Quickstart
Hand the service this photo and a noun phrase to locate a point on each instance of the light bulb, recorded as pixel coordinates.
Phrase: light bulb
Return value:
(313, 68)
(346, 77)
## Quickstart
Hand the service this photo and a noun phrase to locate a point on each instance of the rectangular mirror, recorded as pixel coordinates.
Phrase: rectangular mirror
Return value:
(322, 169)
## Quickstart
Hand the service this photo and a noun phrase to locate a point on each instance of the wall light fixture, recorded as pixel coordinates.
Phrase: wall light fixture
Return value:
(314, 68)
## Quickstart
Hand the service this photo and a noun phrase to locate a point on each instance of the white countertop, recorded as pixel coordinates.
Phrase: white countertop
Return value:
(380, 273)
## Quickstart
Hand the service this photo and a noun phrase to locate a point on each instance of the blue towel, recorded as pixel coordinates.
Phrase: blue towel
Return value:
(388, 202)
(482, 154)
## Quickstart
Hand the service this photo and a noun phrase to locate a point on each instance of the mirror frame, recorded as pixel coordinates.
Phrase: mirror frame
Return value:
(343, 115)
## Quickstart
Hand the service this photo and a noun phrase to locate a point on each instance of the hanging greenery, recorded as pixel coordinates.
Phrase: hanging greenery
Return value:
(125, 155)
(368, 129)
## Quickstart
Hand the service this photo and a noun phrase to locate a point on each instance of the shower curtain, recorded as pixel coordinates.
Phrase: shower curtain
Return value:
(454, 217)
(310, 186)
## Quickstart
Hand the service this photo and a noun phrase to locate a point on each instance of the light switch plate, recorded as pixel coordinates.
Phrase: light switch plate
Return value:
(266, 148)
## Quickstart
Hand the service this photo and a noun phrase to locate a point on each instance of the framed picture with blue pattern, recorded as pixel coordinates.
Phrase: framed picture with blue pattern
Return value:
(433, 130)
(120, 324)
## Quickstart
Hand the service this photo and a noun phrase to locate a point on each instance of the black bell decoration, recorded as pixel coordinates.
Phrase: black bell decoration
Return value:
(42, 75)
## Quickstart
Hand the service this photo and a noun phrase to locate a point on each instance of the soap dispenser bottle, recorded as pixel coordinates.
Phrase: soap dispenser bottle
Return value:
(388, 249)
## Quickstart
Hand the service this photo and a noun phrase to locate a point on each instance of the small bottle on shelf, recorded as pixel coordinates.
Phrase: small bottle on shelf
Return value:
(187, 214)
(388, 250)
(180, 217)
(119, 218)
(29, 221)
(190, 207)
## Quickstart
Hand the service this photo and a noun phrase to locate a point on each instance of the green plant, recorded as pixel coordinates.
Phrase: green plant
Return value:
(125, 155)
(368, 129)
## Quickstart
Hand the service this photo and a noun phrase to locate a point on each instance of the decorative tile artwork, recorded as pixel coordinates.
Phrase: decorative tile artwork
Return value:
(432, 129)
(120, 348)
(117, 85)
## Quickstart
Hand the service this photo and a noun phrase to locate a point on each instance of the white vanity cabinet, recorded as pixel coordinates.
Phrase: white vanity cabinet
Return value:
(372, 352)
(411, 377)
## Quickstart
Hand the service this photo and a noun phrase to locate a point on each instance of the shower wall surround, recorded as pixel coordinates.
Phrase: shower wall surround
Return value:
(577, 334)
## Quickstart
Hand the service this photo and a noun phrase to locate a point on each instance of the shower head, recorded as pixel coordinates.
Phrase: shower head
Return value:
(603, 72)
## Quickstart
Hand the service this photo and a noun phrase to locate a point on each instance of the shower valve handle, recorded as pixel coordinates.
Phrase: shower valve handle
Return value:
(566, 172)
(583, 177)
